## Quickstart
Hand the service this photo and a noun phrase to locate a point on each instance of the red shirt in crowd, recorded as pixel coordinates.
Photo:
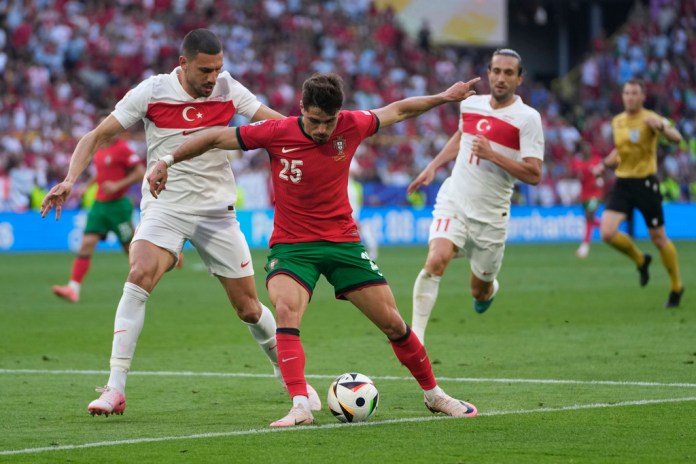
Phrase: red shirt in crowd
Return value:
(592, 186)
(113, 163)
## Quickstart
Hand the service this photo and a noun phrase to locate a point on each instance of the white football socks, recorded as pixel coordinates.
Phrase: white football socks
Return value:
(303, 400)
(75, 286)
(264, 332)
(424, 296)
(431, 394)
(130, 316)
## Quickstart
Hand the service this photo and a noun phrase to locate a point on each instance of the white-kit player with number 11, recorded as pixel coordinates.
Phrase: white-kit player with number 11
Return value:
(197, 206)
(499, 141)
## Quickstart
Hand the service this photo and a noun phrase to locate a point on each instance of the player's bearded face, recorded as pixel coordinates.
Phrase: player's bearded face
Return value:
(200, 73)
(503, 77)
(318, 124)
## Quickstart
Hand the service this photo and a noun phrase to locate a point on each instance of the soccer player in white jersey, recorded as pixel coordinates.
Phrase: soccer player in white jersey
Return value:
(499, 141)
(198, 205)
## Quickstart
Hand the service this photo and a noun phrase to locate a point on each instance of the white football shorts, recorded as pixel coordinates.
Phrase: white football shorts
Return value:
(219, 240)
(481, 243)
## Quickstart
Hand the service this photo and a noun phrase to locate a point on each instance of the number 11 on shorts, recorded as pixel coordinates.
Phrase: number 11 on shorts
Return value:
(441, 225)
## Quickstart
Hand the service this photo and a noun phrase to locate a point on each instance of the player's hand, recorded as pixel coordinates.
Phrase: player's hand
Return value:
(461, 90)
(481, 147)
(598, 169)
(424, 178)
(109, 187)
(55, 198)
(654, 123)
(158, 178)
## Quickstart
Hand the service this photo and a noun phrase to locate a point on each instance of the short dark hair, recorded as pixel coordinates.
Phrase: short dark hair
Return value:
(635, 81)
(200, 41)
(324, 91)
(509, 52)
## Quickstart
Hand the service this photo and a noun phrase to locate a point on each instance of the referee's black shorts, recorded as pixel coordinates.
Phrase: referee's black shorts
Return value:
(642, 194)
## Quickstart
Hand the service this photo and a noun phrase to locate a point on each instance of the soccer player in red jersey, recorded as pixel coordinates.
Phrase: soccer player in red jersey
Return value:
(314, 232)
(591, 192)
(117, 167)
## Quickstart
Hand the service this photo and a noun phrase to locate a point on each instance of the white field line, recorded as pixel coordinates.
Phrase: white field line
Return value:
(333, 426)
(310, 376)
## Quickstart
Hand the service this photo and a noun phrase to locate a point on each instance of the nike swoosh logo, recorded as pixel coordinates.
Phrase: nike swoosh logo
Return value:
(245, 264)
(119, 331)
(300, 422)
(189, 132)
(288, 150)
(272, 348)
(424, 358)
(288, 359)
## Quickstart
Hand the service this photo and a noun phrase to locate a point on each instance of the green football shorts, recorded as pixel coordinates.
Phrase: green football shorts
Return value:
(345, 265)
(591, 204)
(111, 216)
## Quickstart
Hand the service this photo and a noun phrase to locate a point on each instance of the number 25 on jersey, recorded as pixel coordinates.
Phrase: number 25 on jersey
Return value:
(291, 170)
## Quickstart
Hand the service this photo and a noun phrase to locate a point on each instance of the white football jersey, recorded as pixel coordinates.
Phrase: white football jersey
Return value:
(203, 185)
(479, 188)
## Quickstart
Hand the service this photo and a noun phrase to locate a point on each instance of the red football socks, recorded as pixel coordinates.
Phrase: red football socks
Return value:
(291, 359)
(411, 353)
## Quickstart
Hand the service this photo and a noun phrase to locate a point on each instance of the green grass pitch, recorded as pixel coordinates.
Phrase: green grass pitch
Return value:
(573, 363)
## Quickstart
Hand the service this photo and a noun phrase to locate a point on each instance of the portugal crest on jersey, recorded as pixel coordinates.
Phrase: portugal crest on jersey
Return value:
(340, 145)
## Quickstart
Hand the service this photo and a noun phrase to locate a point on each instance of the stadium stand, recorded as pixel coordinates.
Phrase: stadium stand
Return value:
(62, 61)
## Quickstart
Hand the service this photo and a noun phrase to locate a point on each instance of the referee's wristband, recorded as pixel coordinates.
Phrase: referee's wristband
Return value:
(168, 160)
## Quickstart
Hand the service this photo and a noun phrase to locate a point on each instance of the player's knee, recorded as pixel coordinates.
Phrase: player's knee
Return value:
(436, 264)
(248, 310)
(607, 235)
(660, 240)
(142, 275)
(287, 315)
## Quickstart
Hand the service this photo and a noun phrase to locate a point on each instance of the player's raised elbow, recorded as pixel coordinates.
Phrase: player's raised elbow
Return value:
(532, 174)
(534, 178)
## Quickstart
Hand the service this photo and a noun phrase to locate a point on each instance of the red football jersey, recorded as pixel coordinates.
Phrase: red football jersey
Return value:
(113, 163)
(310, 180)
(592, 186)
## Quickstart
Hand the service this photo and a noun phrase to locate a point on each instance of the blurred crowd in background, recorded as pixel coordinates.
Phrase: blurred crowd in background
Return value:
(64, 61)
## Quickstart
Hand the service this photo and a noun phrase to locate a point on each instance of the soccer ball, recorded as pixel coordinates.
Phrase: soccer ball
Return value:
(353, 398)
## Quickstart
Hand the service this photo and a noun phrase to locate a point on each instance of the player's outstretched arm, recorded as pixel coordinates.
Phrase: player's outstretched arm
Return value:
(662, 125)
(610, 161)
(447, 154)
(414, 106)
(81, 157)
(224, 138)
(264, 113)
